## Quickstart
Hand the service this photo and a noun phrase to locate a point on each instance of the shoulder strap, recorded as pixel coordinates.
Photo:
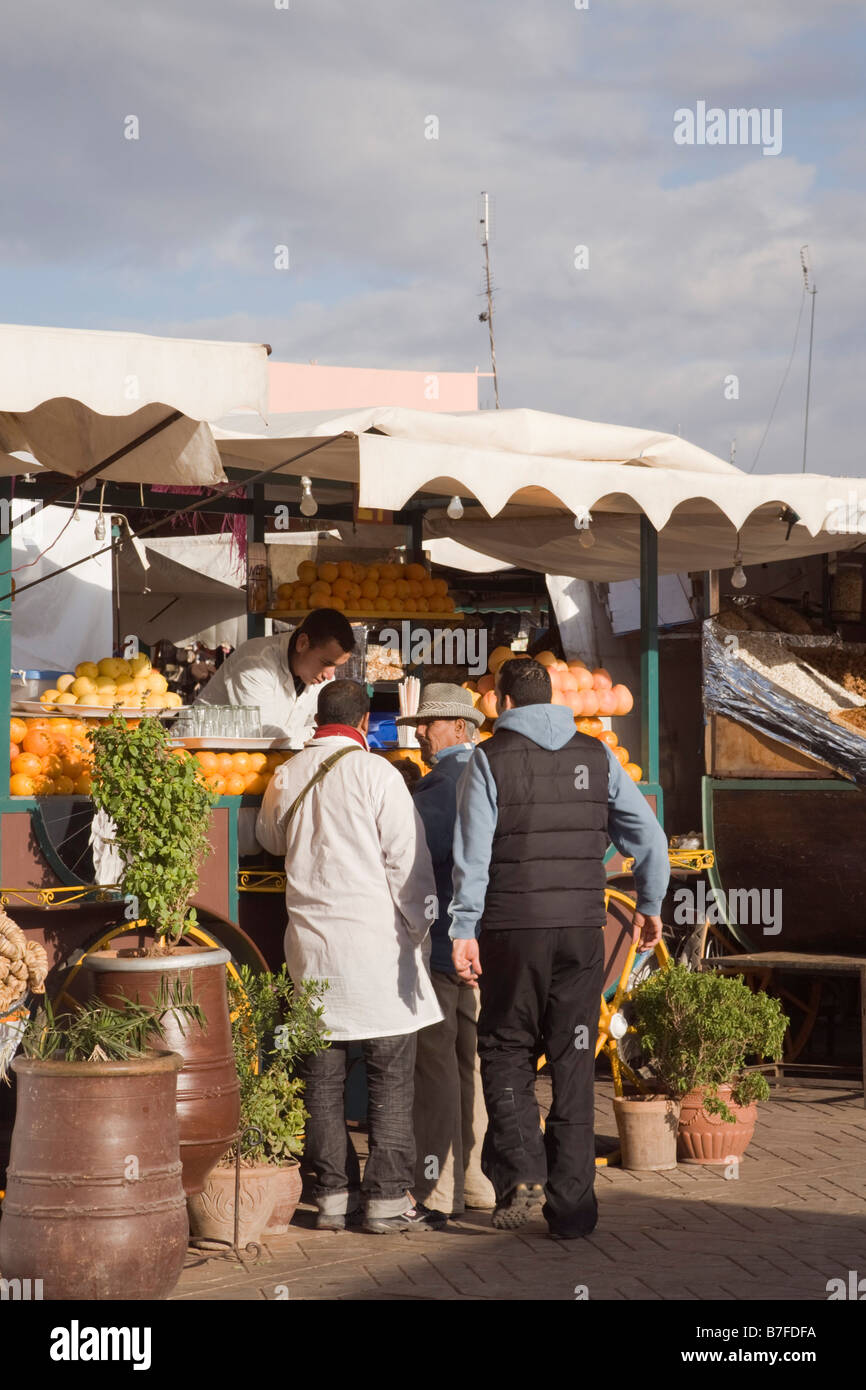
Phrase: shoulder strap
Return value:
(321, 772)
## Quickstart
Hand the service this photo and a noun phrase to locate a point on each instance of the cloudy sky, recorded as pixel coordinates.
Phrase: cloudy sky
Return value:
(307, 126)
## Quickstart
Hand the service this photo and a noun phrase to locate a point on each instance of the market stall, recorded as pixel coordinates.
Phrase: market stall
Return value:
(547, 493)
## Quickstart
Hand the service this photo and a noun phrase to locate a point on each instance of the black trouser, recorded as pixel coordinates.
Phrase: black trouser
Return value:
(540, 992)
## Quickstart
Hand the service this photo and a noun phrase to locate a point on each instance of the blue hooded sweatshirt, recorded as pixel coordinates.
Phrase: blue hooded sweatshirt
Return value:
(632, 826)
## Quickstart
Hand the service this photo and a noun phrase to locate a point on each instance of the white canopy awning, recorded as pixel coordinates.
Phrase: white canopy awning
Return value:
(73, 397)
(533, 473)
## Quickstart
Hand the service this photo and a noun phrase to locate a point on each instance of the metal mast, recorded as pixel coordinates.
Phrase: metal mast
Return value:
(487, 315)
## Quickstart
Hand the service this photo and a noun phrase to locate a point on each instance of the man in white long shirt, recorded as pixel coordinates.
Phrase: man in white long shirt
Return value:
(361, 898)
(282, 675)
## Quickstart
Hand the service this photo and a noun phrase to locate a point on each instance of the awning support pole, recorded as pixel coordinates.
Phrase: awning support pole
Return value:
(649, 649)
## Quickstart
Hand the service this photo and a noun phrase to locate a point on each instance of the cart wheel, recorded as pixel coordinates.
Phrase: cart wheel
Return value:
(801, 999)
(139, 935)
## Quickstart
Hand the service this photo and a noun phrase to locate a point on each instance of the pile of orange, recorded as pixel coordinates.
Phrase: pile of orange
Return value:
(396, 590)
(587, 693)
(232, 774)
(49, 757)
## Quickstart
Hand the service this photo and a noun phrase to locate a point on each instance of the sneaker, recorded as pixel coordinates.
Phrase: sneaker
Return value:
(337, 1222)
(519, 1206)
(417, 1218)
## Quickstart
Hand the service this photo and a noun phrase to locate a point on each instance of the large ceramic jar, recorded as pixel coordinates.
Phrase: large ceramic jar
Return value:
(208, 1093)
(94, 1205)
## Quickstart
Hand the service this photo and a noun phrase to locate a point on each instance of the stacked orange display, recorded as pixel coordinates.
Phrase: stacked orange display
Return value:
(233, 774)
(387, 588)
(50, 757)
(588, 694)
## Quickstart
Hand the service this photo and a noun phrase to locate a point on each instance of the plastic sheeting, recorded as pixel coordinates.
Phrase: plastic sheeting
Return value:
(735, 689)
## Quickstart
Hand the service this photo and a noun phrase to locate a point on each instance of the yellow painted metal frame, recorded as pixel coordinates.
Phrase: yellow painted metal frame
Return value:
(58, 896)
(604, 1041)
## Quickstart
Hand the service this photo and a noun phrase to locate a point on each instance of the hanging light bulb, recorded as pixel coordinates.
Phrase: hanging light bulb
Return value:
(738, 577)
(309, 505)
(99, 528)
(454, 509)
(582, 523)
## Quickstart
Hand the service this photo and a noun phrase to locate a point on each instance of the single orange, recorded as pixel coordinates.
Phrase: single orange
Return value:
(19, 785)
(235, 784)
(17, 730)
(63, 786)
(28, 765)
(255, 784)
(38, 742)
(240, 761)
(216, 783)
(207, 760)
(224, 764)
(257, 761)
(83, 784)
(14, 750)
(609, 737)
(39, 726)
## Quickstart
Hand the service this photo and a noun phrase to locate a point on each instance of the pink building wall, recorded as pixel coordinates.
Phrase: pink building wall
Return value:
(307, 386)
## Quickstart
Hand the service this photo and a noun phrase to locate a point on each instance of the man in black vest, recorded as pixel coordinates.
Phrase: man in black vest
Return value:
(536, 807)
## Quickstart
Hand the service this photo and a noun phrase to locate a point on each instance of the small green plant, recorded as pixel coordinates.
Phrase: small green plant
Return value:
(100, 1033)
(701, 1027)
(161, 813)
(273, 1025)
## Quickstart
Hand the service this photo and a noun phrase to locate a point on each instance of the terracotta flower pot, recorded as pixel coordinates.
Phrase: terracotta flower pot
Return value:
(212, 1211)
(95, 1205)
(208, 1093)
(647, 1127)
(288, 1185)
(705, 1138)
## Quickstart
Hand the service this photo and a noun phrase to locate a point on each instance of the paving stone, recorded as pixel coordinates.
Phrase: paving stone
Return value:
(791, 1220)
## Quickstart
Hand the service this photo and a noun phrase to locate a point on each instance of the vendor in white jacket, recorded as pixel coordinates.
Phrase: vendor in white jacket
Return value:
(361, 898)
(282, 675)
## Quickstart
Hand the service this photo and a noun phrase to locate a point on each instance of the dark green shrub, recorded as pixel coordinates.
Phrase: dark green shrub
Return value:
(701, 1028)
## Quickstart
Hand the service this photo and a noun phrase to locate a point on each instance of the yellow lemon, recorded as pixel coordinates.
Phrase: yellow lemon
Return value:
(64, 682)
(109, 665)
(139, 665)
(87, 668)
(83, 685)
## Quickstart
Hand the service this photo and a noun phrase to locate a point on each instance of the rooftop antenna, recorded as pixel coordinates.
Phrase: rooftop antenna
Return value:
(809, 289)
(486, 316)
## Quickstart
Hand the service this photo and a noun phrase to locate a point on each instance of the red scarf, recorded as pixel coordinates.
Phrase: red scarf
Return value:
(341, 730)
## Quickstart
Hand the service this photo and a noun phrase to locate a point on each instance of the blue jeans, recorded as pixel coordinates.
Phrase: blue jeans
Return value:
(390, 1168)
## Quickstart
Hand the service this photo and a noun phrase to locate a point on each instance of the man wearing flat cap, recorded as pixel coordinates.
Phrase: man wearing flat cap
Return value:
(450, 1117)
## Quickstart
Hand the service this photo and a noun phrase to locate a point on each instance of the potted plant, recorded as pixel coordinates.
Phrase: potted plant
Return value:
(701, 1028)
(94, 1205)
(160, 810)
(273, 1025)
